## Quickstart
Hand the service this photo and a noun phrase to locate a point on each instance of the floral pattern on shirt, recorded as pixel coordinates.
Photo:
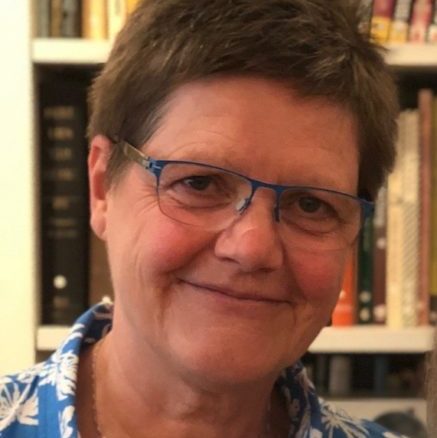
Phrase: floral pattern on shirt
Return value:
(39, 402)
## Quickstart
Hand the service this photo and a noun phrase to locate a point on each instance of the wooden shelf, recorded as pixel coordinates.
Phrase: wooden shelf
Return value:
(358, 339)
(370, 408)
(373, 339)
(76, 51)
(88, 52)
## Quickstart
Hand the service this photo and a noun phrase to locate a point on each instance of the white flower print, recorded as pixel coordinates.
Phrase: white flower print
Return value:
(15, 405)
(67, 430)
(337, 420)
(61, 372)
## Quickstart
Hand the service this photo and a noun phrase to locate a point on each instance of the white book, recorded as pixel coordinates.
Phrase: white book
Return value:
(395, 229)
(117, 13)
(403, 212)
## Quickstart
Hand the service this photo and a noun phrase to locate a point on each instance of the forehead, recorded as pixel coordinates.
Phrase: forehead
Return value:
(262, 129)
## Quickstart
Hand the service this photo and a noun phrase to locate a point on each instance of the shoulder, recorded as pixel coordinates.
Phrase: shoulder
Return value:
(339, 424)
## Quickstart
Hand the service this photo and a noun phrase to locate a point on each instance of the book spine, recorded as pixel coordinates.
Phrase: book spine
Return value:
(345, 311)
(433, 249)
(43, 18)
(401, 18)
(381, 20)
(56, 18)
(131, 5)
(365, 275)
(395, 231)
(425, 102)
(379, 257)
(432, 30)
(64, 201)
(411, 212)
(94, 19)
(71, 19)
(420, 21)
(340, 375)
(116, 16)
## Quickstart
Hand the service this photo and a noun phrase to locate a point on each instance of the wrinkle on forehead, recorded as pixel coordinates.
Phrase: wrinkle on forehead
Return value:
(259, 128)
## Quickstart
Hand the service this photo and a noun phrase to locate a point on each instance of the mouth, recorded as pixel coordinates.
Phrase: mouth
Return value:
(241, 296)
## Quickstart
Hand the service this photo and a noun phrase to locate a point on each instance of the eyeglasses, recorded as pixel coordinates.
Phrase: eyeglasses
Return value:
(212, 198)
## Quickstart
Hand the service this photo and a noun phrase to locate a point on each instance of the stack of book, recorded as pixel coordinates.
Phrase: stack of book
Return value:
(402, 21)
(92, 19)
(393, 278)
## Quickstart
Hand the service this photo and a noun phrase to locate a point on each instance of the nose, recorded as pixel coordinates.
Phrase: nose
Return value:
(252, 240)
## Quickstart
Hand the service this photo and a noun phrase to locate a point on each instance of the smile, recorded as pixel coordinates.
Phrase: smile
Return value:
(234, 295)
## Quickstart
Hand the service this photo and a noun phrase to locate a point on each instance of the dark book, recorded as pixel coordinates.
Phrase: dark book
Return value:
(379, 257)
(71, 19)
(64, 199)
(365, 275)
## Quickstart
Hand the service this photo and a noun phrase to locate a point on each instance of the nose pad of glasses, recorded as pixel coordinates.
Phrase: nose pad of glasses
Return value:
(242, 205)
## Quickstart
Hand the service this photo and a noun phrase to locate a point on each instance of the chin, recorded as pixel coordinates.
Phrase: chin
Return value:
(228, 364)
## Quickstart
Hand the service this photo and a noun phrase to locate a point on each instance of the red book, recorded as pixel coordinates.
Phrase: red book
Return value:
(345, 311)
(420, 20)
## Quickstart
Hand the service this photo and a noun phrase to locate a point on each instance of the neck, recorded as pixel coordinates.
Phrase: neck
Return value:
(138, 394)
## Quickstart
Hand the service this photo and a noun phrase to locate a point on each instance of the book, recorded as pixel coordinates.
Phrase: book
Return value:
(131, 5)
(379, 257)
(344, 313)
(398, 33)
(64, 199)
(94, 19)
(56, 18)
(340, 375)
(410, 211)
(117, 11)
(395, 232)
(432, 29)
(425, 102)
(420, 21)
(382, 14)
(71, 19)
(100, 286)
(43, 18)
(365, 274)
(433, 248)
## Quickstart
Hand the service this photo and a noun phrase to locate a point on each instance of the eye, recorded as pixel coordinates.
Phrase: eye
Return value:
(310, 204)
(198, 183)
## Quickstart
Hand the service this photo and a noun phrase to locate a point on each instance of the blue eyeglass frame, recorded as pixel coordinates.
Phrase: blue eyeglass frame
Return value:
(155, 167)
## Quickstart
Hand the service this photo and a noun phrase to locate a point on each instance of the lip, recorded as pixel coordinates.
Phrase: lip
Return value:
(235, 294)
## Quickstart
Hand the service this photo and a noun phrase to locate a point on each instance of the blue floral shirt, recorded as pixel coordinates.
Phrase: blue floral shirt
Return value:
(39, 402)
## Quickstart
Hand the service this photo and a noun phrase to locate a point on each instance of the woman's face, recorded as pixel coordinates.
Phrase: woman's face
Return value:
(241, 304)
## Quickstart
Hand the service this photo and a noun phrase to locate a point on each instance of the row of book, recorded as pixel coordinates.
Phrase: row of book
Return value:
(402, 21)
(367, 375)
(92, 19)
(392, 279)
(75, 272)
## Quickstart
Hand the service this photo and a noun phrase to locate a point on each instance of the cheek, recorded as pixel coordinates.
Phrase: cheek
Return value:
(319, 276)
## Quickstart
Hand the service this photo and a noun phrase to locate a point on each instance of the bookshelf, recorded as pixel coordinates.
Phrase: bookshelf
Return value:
(354, 340)
(21, 335)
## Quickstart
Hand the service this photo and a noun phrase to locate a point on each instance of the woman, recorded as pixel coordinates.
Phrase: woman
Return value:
(235, 148)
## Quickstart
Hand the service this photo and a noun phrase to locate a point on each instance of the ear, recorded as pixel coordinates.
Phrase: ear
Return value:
(97, 167)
